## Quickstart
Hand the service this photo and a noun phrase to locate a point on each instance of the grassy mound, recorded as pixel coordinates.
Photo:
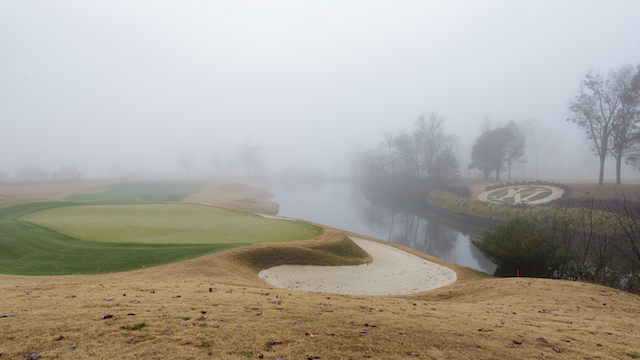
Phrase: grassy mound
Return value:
(333, 251)
(168, 224)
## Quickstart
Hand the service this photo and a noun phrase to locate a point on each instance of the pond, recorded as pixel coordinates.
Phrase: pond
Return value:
(346, 207)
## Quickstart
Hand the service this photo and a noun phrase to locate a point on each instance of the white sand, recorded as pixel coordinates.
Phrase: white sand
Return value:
(392, 272)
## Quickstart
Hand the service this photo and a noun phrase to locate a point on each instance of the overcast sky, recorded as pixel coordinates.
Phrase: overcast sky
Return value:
(135, 83)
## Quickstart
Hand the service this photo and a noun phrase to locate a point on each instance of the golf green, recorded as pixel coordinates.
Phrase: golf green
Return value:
(27, 248)
(168, 224)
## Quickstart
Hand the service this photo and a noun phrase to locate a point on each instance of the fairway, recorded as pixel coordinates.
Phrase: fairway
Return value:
(168, 224)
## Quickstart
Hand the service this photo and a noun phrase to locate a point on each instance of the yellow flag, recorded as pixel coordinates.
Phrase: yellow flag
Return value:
(137, 199)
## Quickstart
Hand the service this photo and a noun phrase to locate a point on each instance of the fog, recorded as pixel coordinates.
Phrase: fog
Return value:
(141, 87)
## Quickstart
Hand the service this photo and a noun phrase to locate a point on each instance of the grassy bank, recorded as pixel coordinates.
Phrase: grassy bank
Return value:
(122, 241)
(30, 249)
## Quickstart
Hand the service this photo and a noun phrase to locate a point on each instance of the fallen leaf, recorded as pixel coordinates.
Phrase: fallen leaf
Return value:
(31, 355)
(517, 342)
(556, 350)
(413, 354)
(177, 296)
(131, 314)
(542, 339)
(167, 332)
(370, 325)
(330, 334)
(70, 296)
(456, 334)
(108, 316)
(310, 334)
(73, 346)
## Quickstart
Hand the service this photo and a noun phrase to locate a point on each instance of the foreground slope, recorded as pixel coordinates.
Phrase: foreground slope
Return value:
(217, 307)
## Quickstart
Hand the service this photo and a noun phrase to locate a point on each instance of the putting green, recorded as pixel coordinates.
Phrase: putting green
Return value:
(168, 224)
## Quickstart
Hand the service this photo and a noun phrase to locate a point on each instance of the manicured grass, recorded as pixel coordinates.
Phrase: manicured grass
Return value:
(30, 249)
(149, 192)
(168, 224)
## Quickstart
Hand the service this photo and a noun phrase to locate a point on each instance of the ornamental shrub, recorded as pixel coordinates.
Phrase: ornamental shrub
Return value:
(538, 182)
(516, 183)
(526, 244)
(508, 183)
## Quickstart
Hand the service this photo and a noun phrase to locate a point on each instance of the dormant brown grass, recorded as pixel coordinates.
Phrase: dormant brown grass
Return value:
(217, 307)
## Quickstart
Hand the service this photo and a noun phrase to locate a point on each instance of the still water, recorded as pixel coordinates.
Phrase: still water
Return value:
(346, 207)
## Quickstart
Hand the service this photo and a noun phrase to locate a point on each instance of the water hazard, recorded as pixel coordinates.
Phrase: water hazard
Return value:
(346, 207)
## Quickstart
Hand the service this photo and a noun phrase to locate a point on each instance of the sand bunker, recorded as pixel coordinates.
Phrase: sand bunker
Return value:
(392, 272)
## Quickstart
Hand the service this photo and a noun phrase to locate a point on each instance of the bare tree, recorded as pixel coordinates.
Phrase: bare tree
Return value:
(251, 159)
(389, 140)
(596, 109)
(429, 136)
(626, 134)
(446, 167)
(408, 154)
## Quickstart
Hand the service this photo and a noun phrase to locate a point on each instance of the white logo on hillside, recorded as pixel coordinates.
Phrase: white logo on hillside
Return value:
(525, 194)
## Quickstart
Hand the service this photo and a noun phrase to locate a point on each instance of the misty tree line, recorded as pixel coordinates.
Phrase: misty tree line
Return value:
(426, 153)
(430, 154)
(247, 160)
(607, 109)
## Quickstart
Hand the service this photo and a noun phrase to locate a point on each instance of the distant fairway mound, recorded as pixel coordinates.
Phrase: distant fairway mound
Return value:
(146, 192)
(168, 224)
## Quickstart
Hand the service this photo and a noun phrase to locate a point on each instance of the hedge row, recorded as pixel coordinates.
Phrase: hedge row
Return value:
(566, 188)
(506, 212)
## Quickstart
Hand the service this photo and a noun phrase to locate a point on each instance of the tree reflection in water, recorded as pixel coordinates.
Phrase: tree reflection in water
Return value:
(346, 207)
(426, 232)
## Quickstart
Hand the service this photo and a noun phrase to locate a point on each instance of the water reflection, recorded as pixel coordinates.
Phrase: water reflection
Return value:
(346, 207)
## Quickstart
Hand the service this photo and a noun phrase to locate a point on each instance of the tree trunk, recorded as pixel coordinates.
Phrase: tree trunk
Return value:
(603, 156)
(618, 166)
